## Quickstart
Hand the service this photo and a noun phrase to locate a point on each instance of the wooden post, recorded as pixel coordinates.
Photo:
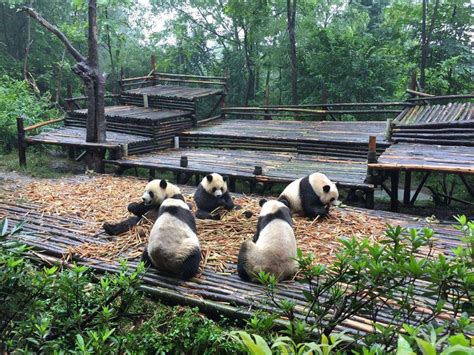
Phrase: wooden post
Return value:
(407, 188)
(389, 130)
(151, 174)
(371, 158)
(153, 68)
(394, 190)
(122, 76)
(369, 202)
(232, 184)
(69, 96)
(21, 141)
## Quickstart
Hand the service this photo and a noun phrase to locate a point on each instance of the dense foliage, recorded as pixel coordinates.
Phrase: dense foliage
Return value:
(387, 280)
(17, 99)
(361, 50)
(54, 310)
(51, 309)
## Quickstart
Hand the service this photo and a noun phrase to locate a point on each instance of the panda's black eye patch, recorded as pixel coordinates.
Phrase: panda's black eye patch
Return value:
(214, 189)
(151, 194)
(333, 199)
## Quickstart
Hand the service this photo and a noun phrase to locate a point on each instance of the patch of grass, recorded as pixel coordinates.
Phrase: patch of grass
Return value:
(40, 163)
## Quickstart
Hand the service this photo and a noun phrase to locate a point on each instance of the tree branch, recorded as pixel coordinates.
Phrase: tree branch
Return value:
(43, 22)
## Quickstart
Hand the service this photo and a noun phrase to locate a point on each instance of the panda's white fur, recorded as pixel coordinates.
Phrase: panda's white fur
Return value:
(274, 246)
(173, 240)
(155, 194)
(217, 186)
(298, 196)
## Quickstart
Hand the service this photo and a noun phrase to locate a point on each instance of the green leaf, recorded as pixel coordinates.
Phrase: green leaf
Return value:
(255, 345)
(403, 347)
(426, 347)
(458, 339)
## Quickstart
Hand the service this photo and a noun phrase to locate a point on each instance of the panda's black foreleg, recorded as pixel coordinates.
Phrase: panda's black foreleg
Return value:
(201, 214)
(146, 258)
(227, 201)
(191, 264)
(321, 211)
(139, 209)
(122, 227)
(242, 261)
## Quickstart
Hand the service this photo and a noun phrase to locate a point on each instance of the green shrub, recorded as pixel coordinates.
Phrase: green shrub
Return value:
(49, 310)
(368, 278)
(17, 99)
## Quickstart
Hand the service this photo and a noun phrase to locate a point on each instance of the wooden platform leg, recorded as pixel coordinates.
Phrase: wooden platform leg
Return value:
(21, 141)
(468, 187)
(71, 152)
(369, 198)
(422, 183)
(407, 188)
(119, 170)
(232, 184)
(197, 179)
(151, 174)
(395, 174)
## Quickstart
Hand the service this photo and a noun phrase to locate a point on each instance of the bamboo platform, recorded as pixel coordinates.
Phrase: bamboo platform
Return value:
(161, 125)
(427, 158)
(186, 93)
(328, 138)
(76, 137)
(240, 164)
(447, 124)
(214, 293)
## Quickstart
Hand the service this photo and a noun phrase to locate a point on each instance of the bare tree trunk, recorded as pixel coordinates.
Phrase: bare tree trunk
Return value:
(424, 45)
(110, 51)
(250, 94)
(291, 12)
(89, 71)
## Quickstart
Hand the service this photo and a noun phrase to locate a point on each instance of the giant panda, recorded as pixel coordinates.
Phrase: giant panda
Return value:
(156, 191)
(173, 245)
(310, 196)
(211, 194)
(273, 248)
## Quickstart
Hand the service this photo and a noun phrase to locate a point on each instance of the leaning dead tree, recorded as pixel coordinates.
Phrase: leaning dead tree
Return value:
(88, 69)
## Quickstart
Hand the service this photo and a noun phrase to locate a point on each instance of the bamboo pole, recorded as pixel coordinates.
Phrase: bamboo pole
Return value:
(21, 141)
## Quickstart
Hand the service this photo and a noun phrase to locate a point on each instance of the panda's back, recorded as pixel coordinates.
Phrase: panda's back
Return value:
(171, 241)
(293, 194)
(275, 249)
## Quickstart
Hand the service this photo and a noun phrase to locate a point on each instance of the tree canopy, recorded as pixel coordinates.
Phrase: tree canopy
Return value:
(345, 50)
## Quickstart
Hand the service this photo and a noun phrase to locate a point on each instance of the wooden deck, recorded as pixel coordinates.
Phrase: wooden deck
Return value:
(136, 114)
(213, 293)
(427, 157)
(73, 136)
(329, 138)
(276, 167)
(447, 124)
(175, 92)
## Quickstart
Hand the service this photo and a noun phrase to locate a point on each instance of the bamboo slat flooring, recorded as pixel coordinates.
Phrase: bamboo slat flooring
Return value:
(73, 136)
(175, 92)
(335, 139)
(135, 114)
(215, 293)
(276, 167)
(427, 157)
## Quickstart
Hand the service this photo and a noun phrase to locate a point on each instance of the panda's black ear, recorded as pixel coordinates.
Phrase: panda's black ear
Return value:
(209, 177)
(326, 188)
(226, 178)
(163, 184)
(285, 202)
(262, 202)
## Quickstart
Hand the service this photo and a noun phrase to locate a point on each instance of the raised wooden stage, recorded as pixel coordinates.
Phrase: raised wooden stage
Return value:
(341, 139)
(51, 238)
(241, 165)
(427, 158)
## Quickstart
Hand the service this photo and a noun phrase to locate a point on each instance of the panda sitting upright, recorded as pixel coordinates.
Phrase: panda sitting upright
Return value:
(310, 196)
(211, 194)
(273, 248)
(156, 191)
(173, 245)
